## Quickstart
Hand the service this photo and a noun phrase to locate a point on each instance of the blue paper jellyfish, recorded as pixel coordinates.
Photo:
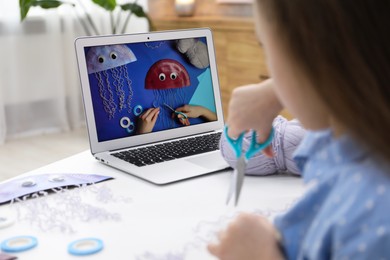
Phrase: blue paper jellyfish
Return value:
(108, 63)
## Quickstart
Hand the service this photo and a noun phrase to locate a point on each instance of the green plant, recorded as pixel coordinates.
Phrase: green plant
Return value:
(115, 10)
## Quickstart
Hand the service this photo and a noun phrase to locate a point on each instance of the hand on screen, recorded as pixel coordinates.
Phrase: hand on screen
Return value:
(147, 120)
(196, 111)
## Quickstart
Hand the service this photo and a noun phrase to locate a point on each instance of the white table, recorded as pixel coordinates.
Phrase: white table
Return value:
(159, 219)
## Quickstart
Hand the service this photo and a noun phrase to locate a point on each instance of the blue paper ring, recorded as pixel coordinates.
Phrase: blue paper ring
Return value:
(125, 122)
(74, 247)
(131, 128)
(137, 110)
(7, 246)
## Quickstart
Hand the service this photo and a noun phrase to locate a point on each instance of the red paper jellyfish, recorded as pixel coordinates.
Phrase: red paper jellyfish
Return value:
(167, 78)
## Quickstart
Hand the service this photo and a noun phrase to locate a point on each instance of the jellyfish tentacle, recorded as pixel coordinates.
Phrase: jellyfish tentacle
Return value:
(118, 83)
(129, 85)
(103, 93)
(171, 93)
(157, 98)
(181, 96)
(112, 104)
(166, 100)
(163, 98)
(168, 97)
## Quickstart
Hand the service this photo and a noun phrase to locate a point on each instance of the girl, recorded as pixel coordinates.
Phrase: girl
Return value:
(330, 64)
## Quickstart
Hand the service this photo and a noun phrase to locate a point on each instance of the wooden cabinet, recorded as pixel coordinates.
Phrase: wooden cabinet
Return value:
(240, 58)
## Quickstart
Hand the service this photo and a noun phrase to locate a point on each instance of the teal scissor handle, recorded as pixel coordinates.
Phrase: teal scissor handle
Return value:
(254, 146)
(182, 114)
(236, 144)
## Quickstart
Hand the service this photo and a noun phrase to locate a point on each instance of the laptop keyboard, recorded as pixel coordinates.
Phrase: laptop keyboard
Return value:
(170, 150)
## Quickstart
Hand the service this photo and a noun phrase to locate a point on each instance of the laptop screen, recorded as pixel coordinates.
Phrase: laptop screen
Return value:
(145, 87)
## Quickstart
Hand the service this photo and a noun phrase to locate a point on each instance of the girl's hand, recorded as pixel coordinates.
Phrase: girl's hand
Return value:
(253, 107)
(147, 120)
(248, 237)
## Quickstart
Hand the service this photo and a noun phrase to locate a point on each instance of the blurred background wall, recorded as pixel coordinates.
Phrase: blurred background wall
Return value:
(39, 84)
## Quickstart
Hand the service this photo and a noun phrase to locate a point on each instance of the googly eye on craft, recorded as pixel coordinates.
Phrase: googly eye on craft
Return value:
(56, 178)
(137, 110)
(162, 76)
(18, 244)
(101, 59)
(113, 55)
(173, 76)
(86, 246)
(28, 183)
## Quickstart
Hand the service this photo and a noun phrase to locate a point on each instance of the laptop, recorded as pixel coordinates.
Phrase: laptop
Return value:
(152, 103)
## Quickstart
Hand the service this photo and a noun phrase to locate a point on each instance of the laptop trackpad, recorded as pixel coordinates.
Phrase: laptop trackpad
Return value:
(209, 161)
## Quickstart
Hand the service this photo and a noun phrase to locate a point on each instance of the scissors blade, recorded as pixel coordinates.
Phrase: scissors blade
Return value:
(168, 106)
(184, 116)
(233, 180)
(240, 168)
(236, 181)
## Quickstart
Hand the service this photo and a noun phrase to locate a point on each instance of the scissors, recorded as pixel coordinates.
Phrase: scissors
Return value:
(237, 178)
(184, 116)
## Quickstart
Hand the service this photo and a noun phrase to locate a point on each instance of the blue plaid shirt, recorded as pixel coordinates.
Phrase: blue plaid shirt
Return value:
(345, 212)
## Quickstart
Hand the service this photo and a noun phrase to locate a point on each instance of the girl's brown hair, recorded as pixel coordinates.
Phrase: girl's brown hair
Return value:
(343, 46)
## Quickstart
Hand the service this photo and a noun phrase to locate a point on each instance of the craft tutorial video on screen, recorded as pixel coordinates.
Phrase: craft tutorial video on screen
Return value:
(129, 82)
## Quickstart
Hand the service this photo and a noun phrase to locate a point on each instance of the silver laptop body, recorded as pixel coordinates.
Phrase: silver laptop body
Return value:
(124, 77)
